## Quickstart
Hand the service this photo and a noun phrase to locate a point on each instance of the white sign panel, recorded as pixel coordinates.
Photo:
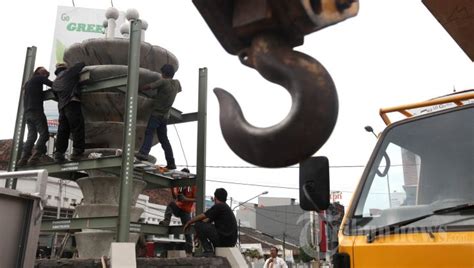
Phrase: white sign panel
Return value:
(336, 196)
(74, 25)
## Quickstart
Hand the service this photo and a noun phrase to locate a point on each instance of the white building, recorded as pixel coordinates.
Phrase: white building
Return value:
(69, 190)
(72, 195)
(153, 213)
(275, 201)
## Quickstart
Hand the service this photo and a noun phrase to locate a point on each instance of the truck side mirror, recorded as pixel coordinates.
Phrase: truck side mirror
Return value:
(314, 184)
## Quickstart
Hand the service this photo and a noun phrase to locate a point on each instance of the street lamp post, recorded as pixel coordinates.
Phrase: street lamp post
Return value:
(241, 203)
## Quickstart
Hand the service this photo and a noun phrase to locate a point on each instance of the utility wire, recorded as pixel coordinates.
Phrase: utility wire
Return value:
(270, 210)
(181, 144)
(281, 187)
(277, 221)
(266, 185)
(340, 166)
(254, 184)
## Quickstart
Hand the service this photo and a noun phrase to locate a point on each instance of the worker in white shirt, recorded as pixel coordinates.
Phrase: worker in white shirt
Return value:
(274, 261)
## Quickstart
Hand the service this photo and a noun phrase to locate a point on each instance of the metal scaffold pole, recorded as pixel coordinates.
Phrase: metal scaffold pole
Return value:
(201, 141)
(58, 216)
(128, 148)
(20, 124)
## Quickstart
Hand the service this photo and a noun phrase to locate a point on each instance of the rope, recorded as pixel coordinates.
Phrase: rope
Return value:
(181, 145)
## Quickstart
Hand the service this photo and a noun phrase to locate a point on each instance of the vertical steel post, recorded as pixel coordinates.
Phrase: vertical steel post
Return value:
(58, 216)
(128, 148)
(201, 142)
(313, 228)
(317, 238)
(238, 233)
(20, 124)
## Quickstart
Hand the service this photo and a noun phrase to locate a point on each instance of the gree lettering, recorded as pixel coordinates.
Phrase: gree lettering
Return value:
(82, 27)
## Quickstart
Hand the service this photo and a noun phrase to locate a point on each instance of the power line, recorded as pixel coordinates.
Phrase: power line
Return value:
(254, 184)
(181, 144)
(267, 185)
(270, 210)
(230, 166)
(275, 220)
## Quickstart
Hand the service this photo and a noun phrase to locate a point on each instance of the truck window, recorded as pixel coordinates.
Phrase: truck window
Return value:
(421, 165)
(398, 187)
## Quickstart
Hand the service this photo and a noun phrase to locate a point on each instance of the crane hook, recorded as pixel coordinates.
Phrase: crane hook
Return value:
(313, 112)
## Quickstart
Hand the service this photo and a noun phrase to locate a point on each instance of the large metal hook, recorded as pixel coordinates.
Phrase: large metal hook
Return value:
(312, 116)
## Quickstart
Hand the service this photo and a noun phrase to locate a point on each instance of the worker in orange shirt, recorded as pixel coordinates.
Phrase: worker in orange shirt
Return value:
(182, 207)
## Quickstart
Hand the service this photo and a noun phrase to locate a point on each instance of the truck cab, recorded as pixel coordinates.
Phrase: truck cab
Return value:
(414, 205)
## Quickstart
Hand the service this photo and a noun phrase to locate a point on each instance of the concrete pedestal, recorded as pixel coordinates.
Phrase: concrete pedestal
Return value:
(93, 244)
(101, 199)
(232, 255)
(104, 114)
(122, 255)
(105, 190)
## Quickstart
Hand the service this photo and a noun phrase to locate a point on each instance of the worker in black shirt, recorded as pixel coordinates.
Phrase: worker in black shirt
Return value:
(35, 118)
(71, 121)
(217, 227)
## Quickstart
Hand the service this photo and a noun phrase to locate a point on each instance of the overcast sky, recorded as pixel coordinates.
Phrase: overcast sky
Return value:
(391, 53)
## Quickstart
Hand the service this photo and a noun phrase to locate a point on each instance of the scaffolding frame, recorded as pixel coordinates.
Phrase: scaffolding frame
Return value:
(123, 165)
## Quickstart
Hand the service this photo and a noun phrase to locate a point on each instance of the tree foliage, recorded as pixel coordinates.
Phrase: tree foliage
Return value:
(252, 253)
(304, 256)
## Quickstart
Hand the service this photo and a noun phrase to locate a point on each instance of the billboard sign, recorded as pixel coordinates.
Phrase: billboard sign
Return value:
(73, 25)
(336, 196)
